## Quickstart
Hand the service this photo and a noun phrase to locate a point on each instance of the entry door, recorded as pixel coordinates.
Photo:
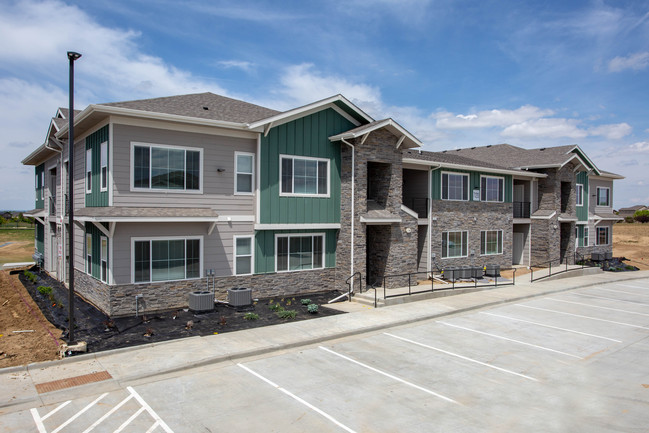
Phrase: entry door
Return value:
(53, 254)
(519, 245)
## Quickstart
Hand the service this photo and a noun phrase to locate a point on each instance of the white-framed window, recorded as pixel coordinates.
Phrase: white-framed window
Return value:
(104, 258)
(244, 169)
(492, 188)
(104, 166)
(166, 259)
(243, 255)
(455, 244)
(299, 252)
(585, 241)
(579, 196)
(89, 253)
(455, 186)
(156, 167)
(491, 242)
(304, 176)
(602, 236)
(603, 196)
(88, 171)
(38, 189)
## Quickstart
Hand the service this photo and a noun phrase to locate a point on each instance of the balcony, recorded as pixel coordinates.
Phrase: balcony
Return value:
(419, 205)
(521, 209)
(52, 206)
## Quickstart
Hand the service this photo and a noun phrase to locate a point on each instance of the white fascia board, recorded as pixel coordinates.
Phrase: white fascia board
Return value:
(590, 162)
(380, 221)
(582, 223)
(581, 161)
(473, 168)
(40, 155)
(147, 219)
(544, 217)
(606, 176)
(382, 124)
(410, 212)
(322, 226)
(567, 220)
(265, 125)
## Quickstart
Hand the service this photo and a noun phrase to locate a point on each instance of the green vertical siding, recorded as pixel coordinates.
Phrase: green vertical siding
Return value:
(40, 188)
(474, 182)
(96, 249)
(307, 136)
(582, 211)
(265, 248)
(40, 237)
(96, 198)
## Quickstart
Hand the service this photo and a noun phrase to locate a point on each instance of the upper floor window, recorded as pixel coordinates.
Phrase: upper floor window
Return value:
(158, 167)
(455, 244)
(455, 186)
(244, 172)
(104, 166)
(492, 188)
(603, 197)
(88, 171)
(580, 194)
(302, 176)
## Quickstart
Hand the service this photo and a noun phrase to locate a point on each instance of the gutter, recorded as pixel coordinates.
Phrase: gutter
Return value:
(474, 168)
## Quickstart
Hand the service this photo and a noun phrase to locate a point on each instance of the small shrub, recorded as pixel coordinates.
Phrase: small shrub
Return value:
(286, 314)
(44, 290)
(642, 216)
(30, 276)
(628, 219)
(251, 316)
(312, 308)
(276, 307)
(305, 301)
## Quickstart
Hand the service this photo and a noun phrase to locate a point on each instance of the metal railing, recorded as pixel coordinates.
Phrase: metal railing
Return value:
(350, 283)
(559, 268)
(52, 206)
(521, 209)
(419, 205)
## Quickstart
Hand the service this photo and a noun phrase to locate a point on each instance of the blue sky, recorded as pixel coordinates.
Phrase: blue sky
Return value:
(454, 73)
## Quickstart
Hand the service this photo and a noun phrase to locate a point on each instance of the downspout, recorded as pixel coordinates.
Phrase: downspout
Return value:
(353, 213)
(430, 219)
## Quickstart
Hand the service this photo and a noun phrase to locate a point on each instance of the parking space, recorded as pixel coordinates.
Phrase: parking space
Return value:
(573, 361)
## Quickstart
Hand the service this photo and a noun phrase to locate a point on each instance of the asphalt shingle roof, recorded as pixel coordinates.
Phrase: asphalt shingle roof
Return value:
(517, 157)
(451, 158)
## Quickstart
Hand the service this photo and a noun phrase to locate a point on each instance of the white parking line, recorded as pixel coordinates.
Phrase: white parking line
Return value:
(597, 306)
(78, 414)
(551, 327)
(510, 339)
(148, 408)
(461, 357)
(390, 376)
(631, 286)
(61, 406)
(295, 397)
(579, 315)
(107, 414)
(623, 291)
(609, 299)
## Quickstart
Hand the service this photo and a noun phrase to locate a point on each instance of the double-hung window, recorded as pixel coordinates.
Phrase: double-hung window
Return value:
(455, 186)
(88, 171)
(580, 195)
(104, 259)
(104, 166)
(455, 244)
(299, 252)
(244, 173)
(301, 176)
(89, 253)
(158, 167)
(585, 241)
(602, 236)
(243, 255)
(603, 197)
(166, 259)
(492, 188)
(491, 242)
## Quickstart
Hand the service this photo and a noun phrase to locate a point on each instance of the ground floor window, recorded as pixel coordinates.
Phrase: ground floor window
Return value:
(455, 244)
(299, 252)
(602, 236)
(104, 259)
(491, 242)
(243, 255)
(166, 259)
(89, 253)
(585, 236)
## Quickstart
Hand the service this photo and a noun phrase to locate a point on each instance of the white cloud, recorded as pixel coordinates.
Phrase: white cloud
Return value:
(236, 64)
(636, 62)
(613, 131)
(546, 128)
(639, 147)
(489, 118)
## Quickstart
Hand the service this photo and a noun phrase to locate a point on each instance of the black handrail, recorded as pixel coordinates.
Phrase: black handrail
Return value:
(349, 281)
(549, 263)
(521, 209)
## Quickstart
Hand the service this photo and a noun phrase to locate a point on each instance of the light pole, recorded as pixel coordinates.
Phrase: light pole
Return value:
(72, 56)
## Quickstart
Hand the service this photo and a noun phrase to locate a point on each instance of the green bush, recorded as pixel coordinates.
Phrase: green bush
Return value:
(629, 219)
(276, 307)
(305, 301)
(44, 290)
(642, 216)
(286, 314)
(251, 316)
(312, 308)
(30, 276)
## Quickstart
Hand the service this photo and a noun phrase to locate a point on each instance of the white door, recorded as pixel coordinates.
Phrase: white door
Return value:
(519, 244)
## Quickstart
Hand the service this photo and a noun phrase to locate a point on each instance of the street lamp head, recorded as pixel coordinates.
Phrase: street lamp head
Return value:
(73, 55)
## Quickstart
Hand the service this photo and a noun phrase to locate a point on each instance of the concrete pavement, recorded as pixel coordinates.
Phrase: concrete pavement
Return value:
(122, 367)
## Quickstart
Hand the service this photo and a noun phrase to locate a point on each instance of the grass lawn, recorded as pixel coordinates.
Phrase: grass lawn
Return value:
(16, 235)
(21, 248)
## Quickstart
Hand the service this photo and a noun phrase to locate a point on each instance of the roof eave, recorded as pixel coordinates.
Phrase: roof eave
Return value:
(473, 168)
(412, 141)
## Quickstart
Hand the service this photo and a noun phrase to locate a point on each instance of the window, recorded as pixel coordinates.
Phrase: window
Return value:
(38, 189)
(88, 171)
(585, 241)
(491, 242)
(492, 188)
(455, 186)
(244, 173)
(104, 166)
(454, 244)
(166, 168)
(304, 176)
(166, 259)
(88, 253)
(603, 197)
(580, 195)
(243, 255)
(299, 252)
(104, 259)
(602, 236)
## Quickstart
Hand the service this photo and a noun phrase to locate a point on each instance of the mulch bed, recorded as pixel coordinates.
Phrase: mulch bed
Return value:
(103, 333)
(616, 264)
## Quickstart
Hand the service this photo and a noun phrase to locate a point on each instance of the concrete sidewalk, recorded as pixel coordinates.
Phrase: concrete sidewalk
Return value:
(121, 367)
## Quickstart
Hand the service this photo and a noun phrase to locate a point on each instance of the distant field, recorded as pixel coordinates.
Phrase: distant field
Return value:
(15, 235)
(21, 248)
(632, 241)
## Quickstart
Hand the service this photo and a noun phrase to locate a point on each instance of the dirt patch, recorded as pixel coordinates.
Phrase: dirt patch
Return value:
(632, 241)
(18, 312)
(17, 252)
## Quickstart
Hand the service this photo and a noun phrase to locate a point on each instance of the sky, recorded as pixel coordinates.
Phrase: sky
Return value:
(454, 73)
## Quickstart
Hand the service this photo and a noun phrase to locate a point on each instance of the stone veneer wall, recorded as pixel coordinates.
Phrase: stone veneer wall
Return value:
(473, 217)
(117, 301)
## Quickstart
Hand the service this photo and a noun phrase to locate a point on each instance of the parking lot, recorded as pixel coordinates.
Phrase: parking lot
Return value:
(575, 361)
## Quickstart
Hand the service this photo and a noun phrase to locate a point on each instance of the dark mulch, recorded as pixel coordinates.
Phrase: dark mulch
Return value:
(616, 264)
(102, 333)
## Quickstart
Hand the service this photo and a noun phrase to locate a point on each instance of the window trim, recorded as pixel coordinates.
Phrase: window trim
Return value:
(461, 248)
(441, 186)
(585, 239)
(89, 171)
(103, 259)
(308, 158)
(608, 235)
(483, 245)
(88, 253)
(103, 178)
(301, 235)
(235, 256)
(499, 193)
(165, 238)
(608, 196)
(252, 173)
(579, 194)
(160, 190)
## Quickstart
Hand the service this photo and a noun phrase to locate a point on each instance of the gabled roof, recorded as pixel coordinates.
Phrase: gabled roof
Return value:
(406, 139)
